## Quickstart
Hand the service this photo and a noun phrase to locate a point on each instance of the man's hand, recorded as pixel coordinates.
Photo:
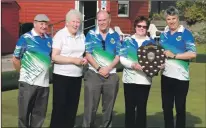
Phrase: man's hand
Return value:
(104, 71)
(16, 63)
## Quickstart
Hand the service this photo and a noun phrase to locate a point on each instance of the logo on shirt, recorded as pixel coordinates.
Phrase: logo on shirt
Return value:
(178, 38)
(49, 44)
(112, 41)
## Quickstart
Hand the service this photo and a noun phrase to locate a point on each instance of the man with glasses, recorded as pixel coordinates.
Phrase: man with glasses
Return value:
(32, 59)
(102, 51)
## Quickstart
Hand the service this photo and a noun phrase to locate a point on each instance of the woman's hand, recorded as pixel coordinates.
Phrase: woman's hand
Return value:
(162, 66)
(78, 61)
(169, 54)
(136, 66)
(84, 61)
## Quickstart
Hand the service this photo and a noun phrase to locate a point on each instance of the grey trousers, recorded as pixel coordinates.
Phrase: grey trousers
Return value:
(95, 86)
(32, 103)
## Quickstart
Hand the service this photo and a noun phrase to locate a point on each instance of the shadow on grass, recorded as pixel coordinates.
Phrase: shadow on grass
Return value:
(153, 121)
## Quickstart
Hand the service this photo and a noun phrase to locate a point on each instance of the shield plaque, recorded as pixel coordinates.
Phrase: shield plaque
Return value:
(151, 57)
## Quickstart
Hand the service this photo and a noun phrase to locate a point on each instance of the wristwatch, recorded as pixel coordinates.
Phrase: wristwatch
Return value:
(98, 68)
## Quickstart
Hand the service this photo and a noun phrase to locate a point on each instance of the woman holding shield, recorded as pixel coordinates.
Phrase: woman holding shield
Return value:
(136, 83)
(179, 46)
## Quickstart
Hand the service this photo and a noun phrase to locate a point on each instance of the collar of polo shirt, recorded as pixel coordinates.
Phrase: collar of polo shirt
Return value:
(143, 38)
(70, 35)
(36, 34)
(180, 29)
(110, 30)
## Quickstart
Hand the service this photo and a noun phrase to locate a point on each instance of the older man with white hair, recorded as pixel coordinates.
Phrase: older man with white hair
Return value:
(32, 59)
(102, 51)
(67, 53)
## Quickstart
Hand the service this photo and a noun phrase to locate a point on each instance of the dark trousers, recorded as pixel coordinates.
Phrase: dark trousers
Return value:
(66, 92)
(136, 97)
(32, 103)
(95, 86)
(174, 91)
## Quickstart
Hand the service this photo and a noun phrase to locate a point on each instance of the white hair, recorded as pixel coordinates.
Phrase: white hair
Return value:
(71, 13)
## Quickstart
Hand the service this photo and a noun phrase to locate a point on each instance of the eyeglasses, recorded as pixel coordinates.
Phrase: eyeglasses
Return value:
(103, 44)
(141, 26)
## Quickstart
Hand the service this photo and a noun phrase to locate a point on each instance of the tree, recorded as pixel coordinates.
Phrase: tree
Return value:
(192, 10)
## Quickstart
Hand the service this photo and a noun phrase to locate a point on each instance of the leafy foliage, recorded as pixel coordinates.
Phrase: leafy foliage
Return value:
(200, 37)
(192, 10)
(157, 16)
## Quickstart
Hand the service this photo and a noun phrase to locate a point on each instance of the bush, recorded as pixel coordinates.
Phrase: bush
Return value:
(194, 14)
(157, 16)
(181, 5)
(200, 37)
(193, 11)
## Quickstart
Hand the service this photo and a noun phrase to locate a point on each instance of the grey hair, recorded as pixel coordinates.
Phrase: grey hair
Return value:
(172, 11)
(73, 12)
(103, 11)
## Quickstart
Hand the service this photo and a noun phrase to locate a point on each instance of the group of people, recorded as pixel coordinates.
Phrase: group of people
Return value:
(102, 50)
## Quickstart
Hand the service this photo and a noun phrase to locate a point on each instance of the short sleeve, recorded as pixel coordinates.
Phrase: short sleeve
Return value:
(118, 44)
(161, 38)
(88, 43)
(83, 36)
(20, 47)
(125, 59)
(124, 48)
(57, 41)
(189, 41)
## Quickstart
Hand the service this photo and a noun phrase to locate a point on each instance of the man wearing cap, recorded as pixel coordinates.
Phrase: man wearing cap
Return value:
(31, 59)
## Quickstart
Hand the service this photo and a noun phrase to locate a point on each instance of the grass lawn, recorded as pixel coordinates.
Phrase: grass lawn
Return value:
(201, 48)
(196, 104)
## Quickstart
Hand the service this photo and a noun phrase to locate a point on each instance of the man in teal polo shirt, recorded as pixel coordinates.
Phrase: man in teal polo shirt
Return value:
(32, 59)
(102, 51)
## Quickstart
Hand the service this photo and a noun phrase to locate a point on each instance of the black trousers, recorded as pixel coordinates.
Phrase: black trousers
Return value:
(174, 91)
(136, 97)
(66, 93)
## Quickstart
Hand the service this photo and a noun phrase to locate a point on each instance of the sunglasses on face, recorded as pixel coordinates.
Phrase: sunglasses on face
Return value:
(141, 26)
(103, 44)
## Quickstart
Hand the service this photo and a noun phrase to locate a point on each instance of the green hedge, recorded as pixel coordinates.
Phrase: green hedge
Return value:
(10, 79)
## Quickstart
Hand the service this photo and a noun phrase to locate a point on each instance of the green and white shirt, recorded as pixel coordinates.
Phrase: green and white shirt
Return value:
(129, 56)
(180, 42)
(34, 54)
(103, 51)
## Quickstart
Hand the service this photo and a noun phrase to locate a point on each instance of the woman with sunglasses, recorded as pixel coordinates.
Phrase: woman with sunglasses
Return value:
(136, 83)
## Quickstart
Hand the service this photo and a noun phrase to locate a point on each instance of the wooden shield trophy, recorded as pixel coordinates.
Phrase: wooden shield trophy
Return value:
(151, 57)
